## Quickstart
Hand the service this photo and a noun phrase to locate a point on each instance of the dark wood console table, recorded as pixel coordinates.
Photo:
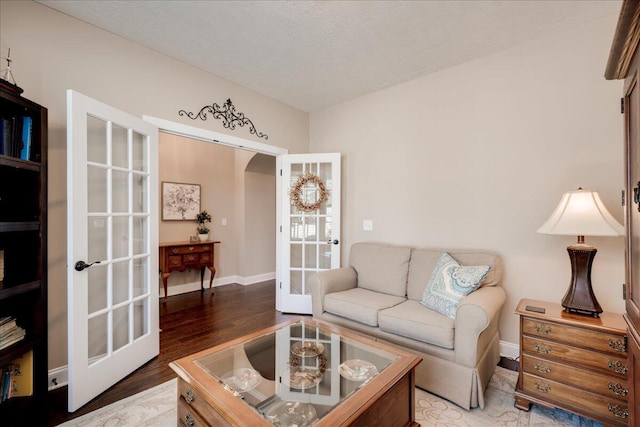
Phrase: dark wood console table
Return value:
(180, 256)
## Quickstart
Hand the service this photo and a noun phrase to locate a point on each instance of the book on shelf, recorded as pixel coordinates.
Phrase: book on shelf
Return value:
(16, 378)
(7, 326)
(16, 136)
(10, 332)
(25, 152)
(22, 375)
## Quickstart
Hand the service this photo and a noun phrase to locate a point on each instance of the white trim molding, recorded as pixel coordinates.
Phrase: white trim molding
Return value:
(509, 350)
(228, 280)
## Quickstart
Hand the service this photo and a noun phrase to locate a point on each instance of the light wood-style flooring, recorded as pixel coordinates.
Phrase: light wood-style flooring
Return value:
(189, 323)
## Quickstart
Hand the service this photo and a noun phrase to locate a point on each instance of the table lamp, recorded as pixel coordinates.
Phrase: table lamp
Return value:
(581, 213)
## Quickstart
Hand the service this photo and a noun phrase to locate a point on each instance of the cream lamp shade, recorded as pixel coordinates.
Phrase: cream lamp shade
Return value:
(581, 213)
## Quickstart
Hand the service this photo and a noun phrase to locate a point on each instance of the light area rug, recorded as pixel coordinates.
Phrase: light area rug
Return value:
(157, 407)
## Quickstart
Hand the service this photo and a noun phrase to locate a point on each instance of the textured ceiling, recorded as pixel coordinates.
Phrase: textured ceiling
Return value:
(315, 54)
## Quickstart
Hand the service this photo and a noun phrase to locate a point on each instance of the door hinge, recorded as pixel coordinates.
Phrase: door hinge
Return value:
(622, 194)
(624, 291)
(280, 285)
(280, 172)
(281, 229)
(622, 105)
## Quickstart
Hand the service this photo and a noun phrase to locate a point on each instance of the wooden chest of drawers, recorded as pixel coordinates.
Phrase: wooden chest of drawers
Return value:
(573, 362)
(179, 256)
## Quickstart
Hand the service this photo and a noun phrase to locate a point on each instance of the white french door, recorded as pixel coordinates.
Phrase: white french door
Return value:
(112, 238)
(310, 239)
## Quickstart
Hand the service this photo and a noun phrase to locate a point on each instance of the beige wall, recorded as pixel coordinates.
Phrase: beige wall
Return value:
(53, 52)
(260, 208)
(478, 156)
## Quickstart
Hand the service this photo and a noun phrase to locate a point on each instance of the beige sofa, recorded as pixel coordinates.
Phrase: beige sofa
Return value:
(379, 295)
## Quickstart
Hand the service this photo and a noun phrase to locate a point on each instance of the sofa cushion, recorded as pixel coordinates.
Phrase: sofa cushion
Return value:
(449, 283)
(424, 261)
(381, 268)
(412, 320)
(361, 305)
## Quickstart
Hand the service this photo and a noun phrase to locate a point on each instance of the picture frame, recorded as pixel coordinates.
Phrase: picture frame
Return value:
(180, 201)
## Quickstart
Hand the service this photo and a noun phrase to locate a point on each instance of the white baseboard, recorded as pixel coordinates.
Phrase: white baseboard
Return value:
(195, 286)
(509, 350)
(58, 377)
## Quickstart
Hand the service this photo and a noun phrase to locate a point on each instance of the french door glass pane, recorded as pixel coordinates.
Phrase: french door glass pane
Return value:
(140, 276)
(96, 189)
(97, 287)
(120, 197)
(324, 258)
(139, 235)
(139, 152)
(97, 338)
(119, 147)
(310, 260)
(120, 327)
(140, 318)
(295, 282)
(96, 140)
(139, 200)
(296, 256)
(120, 240)
(324, 229)
(97, 238)
(120, 281)
(325, 176)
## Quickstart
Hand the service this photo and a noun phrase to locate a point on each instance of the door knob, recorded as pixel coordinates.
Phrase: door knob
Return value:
(81, 265)
(334, 242)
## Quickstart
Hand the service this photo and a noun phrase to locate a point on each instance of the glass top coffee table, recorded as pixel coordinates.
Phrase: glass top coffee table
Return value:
(298, 373)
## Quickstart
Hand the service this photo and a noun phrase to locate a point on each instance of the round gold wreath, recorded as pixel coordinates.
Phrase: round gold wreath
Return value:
(295, 193)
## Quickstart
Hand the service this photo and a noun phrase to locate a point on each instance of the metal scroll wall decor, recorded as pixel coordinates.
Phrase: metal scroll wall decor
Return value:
(228, 114)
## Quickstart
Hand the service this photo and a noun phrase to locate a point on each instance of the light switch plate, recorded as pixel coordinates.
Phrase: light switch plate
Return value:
(367, 225)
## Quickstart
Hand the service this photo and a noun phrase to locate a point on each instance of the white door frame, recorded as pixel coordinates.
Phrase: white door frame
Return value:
(213, 137)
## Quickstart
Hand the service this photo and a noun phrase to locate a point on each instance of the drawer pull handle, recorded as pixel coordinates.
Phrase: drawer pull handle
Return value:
(618, 367)
(541, 348)
(541, 368)
(189, 420)
(618, 389)
(619, 412)
(190, 396)
(174, 250)
(542, 329)
(191, 248)
(618, 345)
(544, 388)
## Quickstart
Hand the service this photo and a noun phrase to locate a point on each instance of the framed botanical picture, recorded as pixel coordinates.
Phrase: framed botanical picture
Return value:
(180, 202)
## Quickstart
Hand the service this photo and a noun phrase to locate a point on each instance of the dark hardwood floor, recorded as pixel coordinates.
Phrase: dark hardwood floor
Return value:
(189, 323)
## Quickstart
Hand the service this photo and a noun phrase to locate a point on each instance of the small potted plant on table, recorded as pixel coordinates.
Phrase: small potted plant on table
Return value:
(203, 231)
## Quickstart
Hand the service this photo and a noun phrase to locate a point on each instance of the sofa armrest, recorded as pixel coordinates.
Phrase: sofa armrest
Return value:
(325, 282)
(476, 323)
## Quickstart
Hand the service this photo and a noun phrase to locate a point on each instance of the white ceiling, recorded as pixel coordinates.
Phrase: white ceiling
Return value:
(315, 54)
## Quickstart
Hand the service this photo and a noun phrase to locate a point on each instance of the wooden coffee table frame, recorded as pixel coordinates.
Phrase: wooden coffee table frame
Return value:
(388, 399)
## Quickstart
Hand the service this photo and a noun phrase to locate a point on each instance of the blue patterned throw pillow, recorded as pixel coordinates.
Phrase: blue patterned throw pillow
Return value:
(449, 283)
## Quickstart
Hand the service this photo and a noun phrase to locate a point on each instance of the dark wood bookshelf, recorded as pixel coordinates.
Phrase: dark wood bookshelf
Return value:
(23, 244)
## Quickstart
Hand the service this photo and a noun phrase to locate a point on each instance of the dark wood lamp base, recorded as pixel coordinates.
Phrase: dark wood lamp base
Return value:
(580, 297)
